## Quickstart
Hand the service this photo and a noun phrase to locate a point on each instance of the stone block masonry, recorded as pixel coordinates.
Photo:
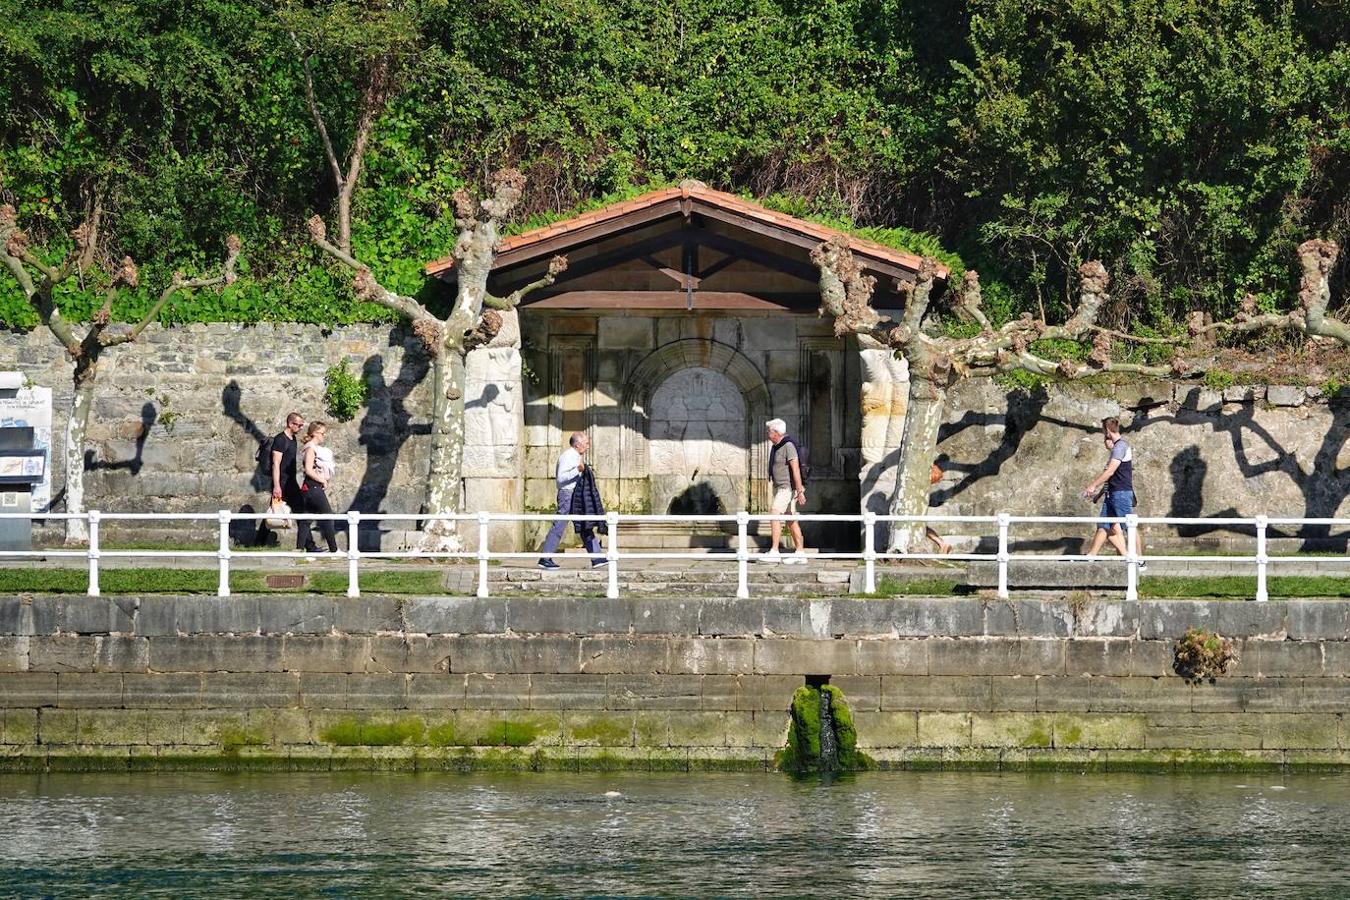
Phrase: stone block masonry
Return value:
(657, 683)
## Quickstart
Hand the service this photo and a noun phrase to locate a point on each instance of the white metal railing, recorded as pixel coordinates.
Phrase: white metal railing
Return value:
(613, 556)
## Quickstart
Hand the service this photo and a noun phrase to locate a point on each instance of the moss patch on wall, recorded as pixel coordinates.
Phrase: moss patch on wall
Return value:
(802, 753)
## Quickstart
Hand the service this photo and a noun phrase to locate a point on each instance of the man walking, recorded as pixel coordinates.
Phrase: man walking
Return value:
(785, 482)
(570, 467)
(1118, 477)
(284, 483)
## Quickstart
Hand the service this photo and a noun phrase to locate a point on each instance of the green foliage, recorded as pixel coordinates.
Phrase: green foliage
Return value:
(1190, 145)
(343, 392)
(1021, 380)
(1217, 379)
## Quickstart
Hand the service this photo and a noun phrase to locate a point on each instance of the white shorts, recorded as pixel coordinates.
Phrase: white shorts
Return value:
(784, 501)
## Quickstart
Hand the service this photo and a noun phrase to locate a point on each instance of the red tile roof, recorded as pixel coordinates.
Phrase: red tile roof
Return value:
(697, 195)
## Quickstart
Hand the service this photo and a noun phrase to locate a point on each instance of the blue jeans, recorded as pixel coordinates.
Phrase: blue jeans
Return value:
(555, 534)
(1117, 504)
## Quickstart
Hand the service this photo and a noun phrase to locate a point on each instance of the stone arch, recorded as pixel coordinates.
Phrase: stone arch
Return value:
(666, 361)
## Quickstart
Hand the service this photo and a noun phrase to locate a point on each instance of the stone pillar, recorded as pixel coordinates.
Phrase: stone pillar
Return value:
(884, 395)
(494, 430)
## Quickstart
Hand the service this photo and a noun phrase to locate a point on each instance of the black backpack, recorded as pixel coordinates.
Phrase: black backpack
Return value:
(264, 454)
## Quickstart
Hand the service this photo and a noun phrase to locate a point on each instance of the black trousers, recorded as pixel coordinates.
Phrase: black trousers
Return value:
(295, 499)
(316, 501)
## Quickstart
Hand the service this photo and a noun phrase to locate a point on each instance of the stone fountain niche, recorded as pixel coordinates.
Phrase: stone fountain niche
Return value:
(699, 444)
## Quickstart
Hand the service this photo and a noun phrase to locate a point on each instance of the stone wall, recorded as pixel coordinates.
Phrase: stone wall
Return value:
(660, 683)
(179, 416)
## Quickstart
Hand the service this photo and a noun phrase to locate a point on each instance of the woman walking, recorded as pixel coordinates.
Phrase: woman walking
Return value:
(319, 469)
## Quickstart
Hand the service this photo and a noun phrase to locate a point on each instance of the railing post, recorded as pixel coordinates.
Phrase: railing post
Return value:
(612, 554)
(483, 520)
(223, 554)
(742, 555)
(1131, 558)
(1003, 556)
(869, 552)
(93, 553)
(1261, 559)
(353, 552)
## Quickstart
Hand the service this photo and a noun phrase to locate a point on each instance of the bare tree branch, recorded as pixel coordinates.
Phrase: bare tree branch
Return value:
(363, 283)
(176, 284)
(556, 266)
(315, 114)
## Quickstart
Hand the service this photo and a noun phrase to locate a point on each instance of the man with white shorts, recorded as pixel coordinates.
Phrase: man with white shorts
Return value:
(785, 483)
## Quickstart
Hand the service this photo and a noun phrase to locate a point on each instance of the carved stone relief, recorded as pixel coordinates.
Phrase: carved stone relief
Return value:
(698, 442)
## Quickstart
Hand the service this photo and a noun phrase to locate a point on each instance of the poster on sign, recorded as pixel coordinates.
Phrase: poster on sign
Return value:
(32, 408)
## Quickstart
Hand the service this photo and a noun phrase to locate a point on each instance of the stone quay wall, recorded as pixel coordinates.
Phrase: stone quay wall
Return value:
(657, 683)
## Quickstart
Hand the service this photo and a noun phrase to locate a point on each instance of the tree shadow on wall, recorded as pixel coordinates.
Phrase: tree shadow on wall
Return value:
(1324, 486)
(385, 428)
(246, 532)
(1025, 410)
(148, 416)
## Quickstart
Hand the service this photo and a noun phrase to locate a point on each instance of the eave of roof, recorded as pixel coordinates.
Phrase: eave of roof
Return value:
(685, 199)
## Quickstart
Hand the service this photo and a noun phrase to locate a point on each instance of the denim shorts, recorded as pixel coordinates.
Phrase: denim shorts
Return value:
(1117, 504)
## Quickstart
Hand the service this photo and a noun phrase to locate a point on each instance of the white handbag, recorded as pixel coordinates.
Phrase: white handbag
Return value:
(279, 508)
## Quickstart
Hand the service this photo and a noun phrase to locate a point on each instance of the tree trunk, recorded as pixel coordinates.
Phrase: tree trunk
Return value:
(918, 449)
(77, 423)
(344, 216)
(444, 480)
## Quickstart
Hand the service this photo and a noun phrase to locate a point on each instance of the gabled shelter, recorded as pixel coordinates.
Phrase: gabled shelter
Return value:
(687, 317)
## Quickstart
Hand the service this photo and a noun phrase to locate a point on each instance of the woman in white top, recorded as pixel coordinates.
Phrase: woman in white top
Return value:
(319, 469)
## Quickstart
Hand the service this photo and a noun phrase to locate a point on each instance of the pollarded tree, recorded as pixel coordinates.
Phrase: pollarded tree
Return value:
(473, 321)
(936, 362)
(38, 280)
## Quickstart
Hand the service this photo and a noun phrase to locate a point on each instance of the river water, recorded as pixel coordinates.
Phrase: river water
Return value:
(886, 834)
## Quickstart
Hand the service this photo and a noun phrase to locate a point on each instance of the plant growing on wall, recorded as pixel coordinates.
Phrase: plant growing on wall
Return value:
(343, 392)
(1203, 655)
(38, 280)
(938, 361)
(474, 320)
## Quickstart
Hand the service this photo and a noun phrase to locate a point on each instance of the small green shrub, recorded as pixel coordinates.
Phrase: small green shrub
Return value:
(343, 392)
(1021, 380)
(1218, 379)
(1202, 655)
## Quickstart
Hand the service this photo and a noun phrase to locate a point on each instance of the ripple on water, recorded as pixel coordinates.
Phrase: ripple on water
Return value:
(895, 834)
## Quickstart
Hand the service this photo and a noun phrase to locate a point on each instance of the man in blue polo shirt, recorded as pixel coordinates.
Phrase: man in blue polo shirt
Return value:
(1118, 477)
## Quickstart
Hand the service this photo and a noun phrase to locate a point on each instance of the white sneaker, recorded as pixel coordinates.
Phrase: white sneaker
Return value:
(772, 556)
(797, 558)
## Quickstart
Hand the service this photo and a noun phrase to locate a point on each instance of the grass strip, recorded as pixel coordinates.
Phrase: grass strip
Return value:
(1243, 587)
(204, 581)
(920, 587)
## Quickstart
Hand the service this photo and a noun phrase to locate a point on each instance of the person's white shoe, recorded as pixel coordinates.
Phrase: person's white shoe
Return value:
(797, 558)
(772, 556)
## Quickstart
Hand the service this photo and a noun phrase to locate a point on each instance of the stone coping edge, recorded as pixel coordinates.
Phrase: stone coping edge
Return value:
(34, 760)
(164, 615)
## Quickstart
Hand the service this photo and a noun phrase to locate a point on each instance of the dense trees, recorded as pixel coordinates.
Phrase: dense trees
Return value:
(1189, 145)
